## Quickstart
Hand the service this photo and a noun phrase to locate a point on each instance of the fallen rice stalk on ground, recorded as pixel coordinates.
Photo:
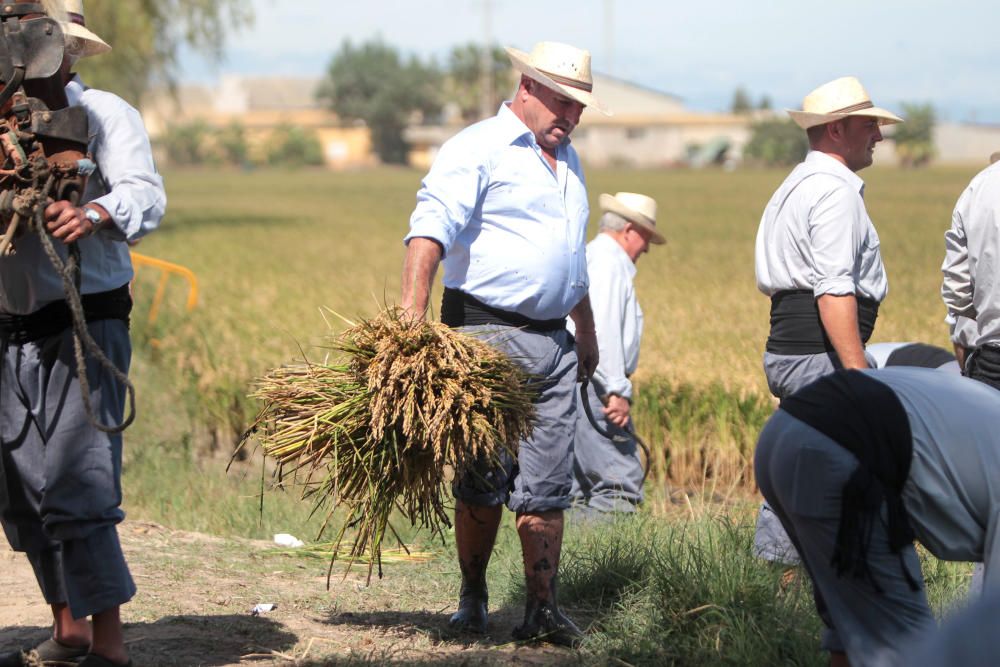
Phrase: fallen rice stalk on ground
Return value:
(383, 427)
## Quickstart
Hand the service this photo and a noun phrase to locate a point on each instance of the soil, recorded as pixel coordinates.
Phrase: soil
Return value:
(196, 593)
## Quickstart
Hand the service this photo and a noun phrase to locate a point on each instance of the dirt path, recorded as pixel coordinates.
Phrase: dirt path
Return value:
(196, 593)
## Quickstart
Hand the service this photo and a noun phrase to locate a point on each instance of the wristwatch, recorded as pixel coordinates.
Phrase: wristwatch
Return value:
(93, 216)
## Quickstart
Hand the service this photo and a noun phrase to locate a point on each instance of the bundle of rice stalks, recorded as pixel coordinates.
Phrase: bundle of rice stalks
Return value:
(406, 404)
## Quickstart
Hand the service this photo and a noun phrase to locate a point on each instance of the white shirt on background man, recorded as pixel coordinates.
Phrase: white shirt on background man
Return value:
(971, 268)
(816, 235)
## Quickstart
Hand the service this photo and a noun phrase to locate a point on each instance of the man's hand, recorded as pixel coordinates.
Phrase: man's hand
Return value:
(617, 410)
(586, 353)
(961, 355)
(69, 223)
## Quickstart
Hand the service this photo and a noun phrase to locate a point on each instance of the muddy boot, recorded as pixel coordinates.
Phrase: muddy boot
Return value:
(475, 533)
(545, 623)
(472, 608)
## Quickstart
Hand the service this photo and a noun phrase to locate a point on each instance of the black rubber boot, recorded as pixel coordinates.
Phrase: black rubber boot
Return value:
(473, 602)
(545, 623)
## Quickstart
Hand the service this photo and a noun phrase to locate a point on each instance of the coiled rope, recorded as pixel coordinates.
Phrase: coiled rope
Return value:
(71, 276)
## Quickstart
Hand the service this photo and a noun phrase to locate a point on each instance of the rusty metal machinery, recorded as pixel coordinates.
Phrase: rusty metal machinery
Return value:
(43, 141)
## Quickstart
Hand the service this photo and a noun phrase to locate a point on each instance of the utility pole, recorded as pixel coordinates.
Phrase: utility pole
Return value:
(486, 64)
(609, 37)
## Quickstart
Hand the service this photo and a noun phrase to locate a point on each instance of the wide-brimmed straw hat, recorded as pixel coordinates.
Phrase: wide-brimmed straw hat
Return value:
(561, 67)
(76, 27)
(638, 209)
(838, 99)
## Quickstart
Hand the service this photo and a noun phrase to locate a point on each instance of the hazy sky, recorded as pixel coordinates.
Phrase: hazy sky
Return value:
(945, 53)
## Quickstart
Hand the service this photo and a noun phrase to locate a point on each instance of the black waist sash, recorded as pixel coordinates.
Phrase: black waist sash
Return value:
(984, 365)
(865, 417)
(459, 309)
(55, 317)
(796, 327)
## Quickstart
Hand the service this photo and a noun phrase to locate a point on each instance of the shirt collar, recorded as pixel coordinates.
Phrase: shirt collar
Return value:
(514, 127)
(74, 90)
(613, 248)
(823, 162)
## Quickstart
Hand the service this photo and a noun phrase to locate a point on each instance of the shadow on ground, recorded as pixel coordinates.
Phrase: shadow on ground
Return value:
(496, 647)
(183, 641)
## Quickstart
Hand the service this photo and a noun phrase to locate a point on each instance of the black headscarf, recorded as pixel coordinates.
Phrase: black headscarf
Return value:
(865, 417)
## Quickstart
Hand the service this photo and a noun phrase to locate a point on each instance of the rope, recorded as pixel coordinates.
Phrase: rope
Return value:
(619, 438)
(71, 276)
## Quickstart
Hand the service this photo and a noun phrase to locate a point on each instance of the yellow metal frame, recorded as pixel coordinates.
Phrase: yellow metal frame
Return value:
(166, 269)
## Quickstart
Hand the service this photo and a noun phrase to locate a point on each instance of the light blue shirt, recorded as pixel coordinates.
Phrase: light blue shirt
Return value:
(513, 230)
(126, 184)
(617, 315)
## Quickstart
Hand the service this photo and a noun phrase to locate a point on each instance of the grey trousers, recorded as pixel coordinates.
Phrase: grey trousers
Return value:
(541, 477)
(607, 475)
(60, 478)
(801, 473)
(786, 374)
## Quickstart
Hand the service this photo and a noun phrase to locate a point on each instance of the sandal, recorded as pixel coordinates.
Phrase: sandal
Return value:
(49, 653)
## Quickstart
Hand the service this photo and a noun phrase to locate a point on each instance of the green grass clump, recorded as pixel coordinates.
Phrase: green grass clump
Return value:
(666, 590)
(686, 593)
(700, 436)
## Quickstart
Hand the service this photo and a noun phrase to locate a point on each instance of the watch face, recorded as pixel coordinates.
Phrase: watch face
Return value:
(92, 215)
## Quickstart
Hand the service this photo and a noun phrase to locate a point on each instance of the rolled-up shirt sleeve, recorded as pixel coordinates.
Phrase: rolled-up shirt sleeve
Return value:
(449, 196)
(835, 230)
(135, 196)
(956, 286)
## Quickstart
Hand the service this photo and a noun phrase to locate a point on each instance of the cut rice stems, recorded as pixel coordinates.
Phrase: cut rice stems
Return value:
(406, 405)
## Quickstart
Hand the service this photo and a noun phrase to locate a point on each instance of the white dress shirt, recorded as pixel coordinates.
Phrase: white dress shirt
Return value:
(617, 315)
(971, 286)
(126, 184)
(816, 234)
(513, 230)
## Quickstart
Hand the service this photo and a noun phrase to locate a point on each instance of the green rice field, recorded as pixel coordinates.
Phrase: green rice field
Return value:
(278, 253)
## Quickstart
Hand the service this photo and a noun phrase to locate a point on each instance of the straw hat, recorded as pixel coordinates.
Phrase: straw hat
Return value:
(637, 209)
(838, 99)
(560, 67)
(92, 45)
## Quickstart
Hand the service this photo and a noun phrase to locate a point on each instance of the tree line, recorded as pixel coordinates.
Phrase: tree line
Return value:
(370, 82)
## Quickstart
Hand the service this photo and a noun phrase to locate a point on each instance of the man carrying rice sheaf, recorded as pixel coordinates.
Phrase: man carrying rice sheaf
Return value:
(504, 209)
(817, 257)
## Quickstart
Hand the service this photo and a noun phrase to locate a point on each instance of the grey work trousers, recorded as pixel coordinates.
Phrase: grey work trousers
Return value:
(607, 474)
(60, 478)
(541, 477)
(802, 473)
(786, 374)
